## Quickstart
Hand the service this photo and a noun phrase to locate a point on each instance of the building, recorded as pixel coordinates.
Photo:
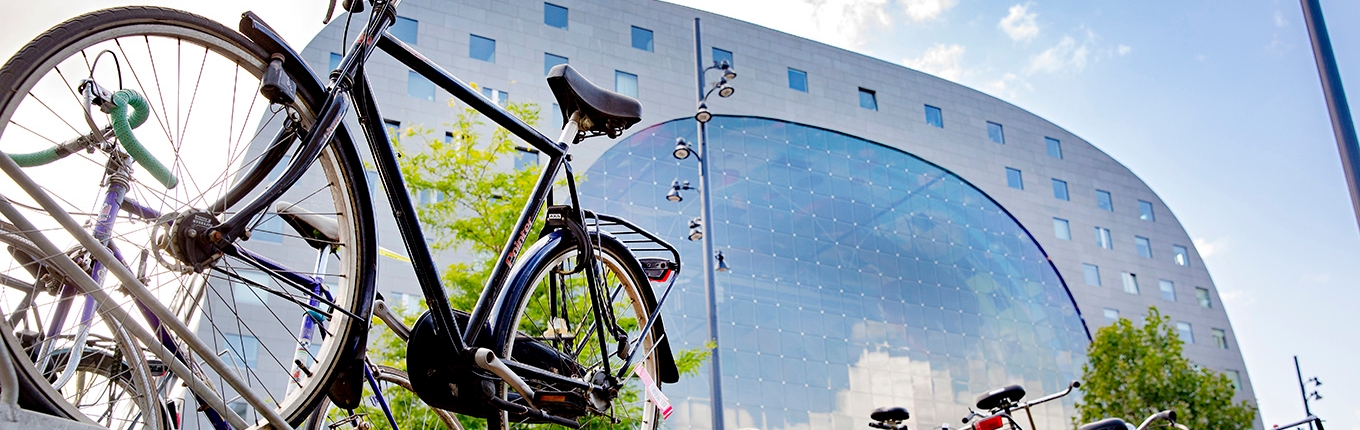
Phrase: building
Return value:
(895, 238)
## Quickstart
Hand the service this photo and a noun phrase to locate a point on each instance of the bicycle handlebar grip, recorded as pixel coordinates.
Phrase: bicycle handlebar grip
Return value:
(35, 158)
(122, 127)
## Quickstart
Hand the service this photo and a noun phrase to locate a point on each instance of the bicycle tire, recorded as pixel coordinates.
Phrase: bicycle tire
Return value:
(398, 378)
(522, 314)
(182, 63)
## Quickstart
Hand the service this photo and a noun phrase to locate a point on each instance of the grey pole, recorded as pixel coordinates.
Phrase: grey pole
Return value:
(715, 386)
(1342, 125)
(1302, 390)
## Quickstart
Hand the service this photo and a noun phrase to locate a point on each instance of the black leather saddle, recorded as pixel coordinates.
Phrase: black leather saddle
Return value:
(994, 398)
(603, 111)
(895, 414)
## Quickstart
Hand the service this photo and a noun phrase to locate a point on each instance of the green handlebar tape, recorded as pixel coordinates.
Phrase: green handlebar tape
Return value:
(122, 127)
(35, 158)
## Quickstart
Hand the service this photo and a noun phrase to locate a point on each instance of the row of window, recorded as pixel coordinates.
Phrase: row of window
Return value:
(1062, 229)
(1104, 200)
(1183, 329)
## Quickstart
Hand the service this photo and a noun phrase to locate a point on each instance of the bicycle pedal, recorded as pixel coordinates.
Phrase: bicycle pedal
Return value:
(559, 400)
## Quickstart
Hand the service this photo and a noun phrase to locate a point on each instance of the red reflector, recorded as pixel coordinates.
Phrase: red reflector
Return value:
(992, 423)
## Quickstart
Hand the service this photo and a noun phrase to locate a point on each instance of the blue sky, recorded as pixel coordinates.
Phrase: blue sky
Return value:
(1215, 104)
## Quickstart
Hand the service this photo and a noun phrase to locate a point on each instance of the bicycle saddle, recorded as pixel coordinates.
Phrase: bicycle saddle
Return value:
(604, 112)
(1106, 424)
(994, 398)
(886, 413)
(318, 230)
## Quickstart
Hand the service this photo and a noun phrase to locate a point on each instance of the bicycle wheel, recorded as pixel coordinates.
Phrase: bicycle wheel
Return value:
(396, 388)
(104, 384)
(548, 307)
(217, 135)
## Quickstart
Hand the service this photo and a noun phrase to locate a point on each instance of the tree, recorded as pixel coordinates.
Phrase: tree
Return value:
(475, 202)
(1133, 372)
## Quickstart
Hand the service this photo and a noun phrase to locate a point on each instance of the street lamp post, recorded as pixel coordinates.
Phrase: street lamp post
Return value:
(1307, 411)
(683, 151)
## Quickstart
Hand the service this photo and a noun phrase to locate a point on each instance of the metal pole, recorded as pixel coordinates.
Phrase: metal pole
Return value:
(1302, 390)
(714, 366)
(1342, 125)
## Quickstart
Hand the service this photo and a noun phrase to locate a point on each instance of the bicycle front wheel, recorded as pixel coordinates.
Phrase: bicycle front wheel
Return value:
(283, 320)
(548, 320)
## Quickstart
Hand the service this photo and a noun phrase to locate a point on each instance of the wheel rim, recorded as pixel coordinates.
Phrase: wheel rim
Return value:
(628, 302)
(209, 126)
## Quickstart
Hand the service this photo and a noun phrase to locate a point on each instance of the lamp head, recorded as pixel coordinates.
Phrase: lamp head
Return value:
(696, 230)
(726, 90)
(703, 116)
(674, 194)
(722, 263)
(728, 72)
(682, 149)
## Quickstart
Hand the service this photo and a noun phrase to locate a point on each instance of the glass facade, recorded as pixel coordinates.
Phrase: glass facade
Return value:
(861, 276)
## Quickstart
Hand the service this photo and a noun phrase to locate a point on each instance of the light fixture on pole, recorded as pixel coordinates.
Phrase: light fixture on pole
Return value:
(676, 188)
(722, 263)
(702, 115)
(682, 149)
(696, 229)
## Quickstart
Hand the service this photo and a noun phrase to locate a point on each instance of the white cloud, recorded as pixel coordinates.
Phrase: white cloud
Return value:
(1279, 19)
(1019, 24)
(926, 10)
(1066, 56)
(940, 60)
(1208, 248)
(1008, 86)
(846, 22)
(1124, 50)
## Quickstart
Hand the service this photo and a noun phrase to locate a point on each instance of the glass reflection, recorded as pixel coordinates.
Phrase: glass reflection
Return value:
(862, 276)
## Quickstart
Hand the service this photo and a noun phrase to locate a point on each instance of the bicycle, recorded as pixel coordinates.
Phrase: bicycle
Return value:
(1000, 403)
(557, 335)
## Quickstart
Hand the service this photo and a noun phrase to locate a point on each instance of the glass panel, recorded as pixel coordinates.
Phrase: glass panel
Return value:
(1013, 179)
(1202, 296)
(243, 291)
(1181, 255)
(481, 48)
(642, 39)
(867, 99)
(550, 60)
(625, 83)
(419, 87)
(554, 15)
(1103, 238)
(934, 116)
(1092, 274)
(404, 30)
(1220, 338)
(798, 80)
(1130, 282)
(1111, 315)
(1144, 246)
(1061, 229)
(721, 55)
(1054, 147)
(1145, 211)
(1235, 377)
(1060, 190)
(995, 133)
(243, 349)
(1104, 201)
(1168, 290)
(1187, 335)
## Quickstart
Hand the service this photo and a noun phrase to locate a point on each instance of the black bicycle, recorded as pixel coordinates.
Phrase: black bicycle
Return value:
(249, 149)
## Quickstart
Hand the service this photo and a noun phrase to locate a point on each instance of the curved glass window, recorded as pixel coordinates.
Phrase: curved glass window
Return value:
(861, 276)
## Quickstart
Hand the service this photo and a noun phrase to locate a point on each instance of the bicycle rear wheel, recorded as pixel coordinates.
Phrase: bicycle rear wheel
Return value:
(548, 305)
(215, 133)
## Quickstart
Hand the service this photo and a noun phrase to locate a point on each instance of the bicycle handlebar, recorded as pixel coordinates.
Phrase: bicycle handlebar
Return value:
(122, 124)
(1167, 415)
(1071, 386)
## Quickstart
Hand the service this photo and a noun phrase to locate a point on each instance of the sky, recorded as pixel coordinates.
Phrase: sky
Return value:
(1215, 104)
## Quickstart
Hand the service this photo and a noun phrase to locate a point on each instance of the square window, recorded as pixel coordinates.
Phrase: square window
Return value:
(1184, 330)
(1061, 229)
(1130, 282)
(721, 55)
(995, 133)
(248, 288)
(269, 229)
(1144, 246)
(1168, 290)
(1060, 190)
(550, 60)
(334, 61)
(496, 96)
(625, 83)
(1181, 255)
(1013, 179)
(934, 116)
(1092, 273)
(798, 80)
(393, 128)
(1202, 296)
(1111, 315)
(868, 99)
(1220, 338)
(481, 48)
(448, 137)
(419, 87)
(404, 29)
(642, 39)
(555, 117)
(243, 349)
(1104, 201)
(1145, 211)
(554, 15)
(1103, 238)
(1054, 147)
(1235, 377)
